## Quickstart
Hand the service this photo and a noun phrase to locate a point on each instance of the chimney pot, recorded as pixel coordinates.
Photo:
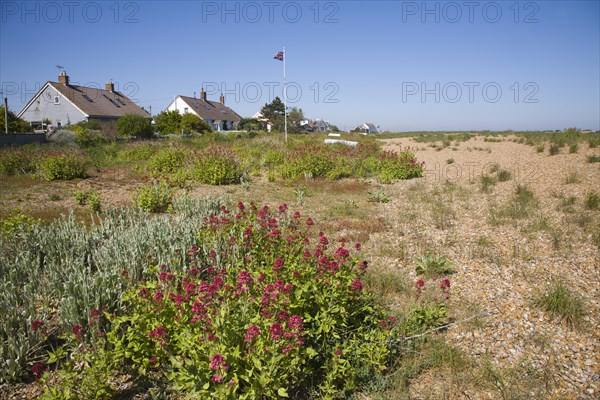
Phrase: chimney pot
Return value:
(110, 87)
(63, 78)
(202, 94)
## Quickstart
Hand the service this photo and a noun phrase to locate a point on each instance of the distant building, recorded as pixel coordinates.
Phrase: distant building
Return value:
(259, 116)
(65, 104)
(314, 125)
(217, 114)
(366, 128)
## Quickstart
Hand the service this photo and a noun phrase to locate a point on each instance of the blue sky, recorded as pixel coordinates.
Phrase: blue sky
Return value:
(403, 65)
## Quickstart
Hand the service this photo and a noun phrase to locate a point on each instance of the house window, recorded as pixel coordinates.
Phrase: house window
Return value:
(56, 100)
(185, 110)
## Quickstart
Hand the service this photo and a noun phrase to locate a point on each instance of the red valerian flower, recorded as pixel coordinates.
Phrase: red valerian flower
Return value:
(420, 283)
(251, 333)
(283, 208)
(278, 265)
(295, 322)
(341, 253)
(241, 206)
(38, 370)
(356, 285)
(276, 331)
(309, 222)
(357, 246)
(217, 378)
(217, 361)
(159, 333)
(445, 283)
(95, 314)
(244, 278)
(283, 315)
(36, 324)
(77, 330)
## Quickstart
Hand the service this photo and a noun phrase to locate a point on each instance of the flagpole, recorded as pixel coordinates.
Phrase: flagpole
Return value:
(284, 96)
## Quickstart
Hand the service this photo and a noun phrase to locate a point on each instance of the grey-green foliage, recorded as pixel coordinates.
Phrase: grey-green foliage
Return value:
(81, 266)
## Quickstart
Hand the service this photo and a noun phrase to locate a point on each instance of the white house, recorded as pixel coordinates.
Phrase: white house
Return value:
(366, 128)
(65, 104)
(217, 114)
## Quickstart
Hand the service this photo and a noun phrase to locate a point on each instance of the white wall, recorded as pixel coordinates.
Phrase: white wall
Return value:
(43, 107)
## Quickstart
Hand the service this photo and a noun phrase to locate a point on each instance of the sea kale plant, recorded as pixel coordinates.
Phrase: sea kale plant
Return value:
(262, 306)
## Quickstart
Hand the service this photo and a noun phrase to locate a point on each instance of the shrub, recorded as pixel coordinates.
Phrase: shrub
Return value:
(134, 125)
(85, 137)
(191, 123)
(540, 148)
(155, 196)
(166, 161)
(62, 166)
(217, 165)
(397, 166)
(246, 316)
(554, 149)
(573, 147)
(168, 122)
(560, 302)
(593, 158)
(16, 161)
(17, 222)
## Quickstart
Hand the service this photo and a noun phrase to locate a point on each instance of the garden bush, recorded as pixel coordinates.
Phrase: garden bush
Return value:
(17, 162)
(246, 316)
(155, 196)
(62, 166)
(216, 165)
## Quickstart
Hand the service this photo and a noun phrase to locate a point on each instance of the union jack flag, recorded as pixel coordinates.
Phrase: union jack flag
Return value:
(278, 56)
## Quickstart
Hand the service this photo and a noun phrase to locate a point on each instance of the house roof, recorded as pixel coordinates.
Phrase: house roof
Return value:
(99, 103)
(212, 110)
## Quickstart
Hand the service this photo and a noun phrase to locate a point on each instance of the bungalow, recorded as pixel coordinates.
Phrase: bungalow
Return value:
(366, 128)
(65, 104)
(217, 114)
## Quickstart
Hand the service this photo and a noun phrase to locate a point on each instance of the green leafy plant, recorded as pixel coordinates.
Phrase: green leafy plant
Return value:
(155, 196)
(135, 125)
(62, 166)
(432, 265)
(378, 196)
(217, 165)
(246, 316)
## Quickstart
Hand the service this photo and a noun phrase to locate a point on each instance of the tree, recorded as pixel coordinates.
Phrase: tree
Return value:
(252, 124)
(274, 111)
(134, 125)
(15, 124)
(295, 116)
(193, 123)
(168, 122)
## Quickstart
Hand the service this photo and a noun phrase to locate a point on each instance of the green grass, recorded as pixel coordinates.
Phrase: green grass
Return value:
(562, 303)
(486, 183)
(592, 200)
(594, 158)
(504, 175)
(572, 177)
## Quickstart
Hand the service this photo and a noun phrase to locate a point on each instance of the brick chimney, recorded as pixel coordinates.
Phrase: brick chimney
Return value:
(202, 94)
(63, 78)
(109, 86)
(222, 99)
